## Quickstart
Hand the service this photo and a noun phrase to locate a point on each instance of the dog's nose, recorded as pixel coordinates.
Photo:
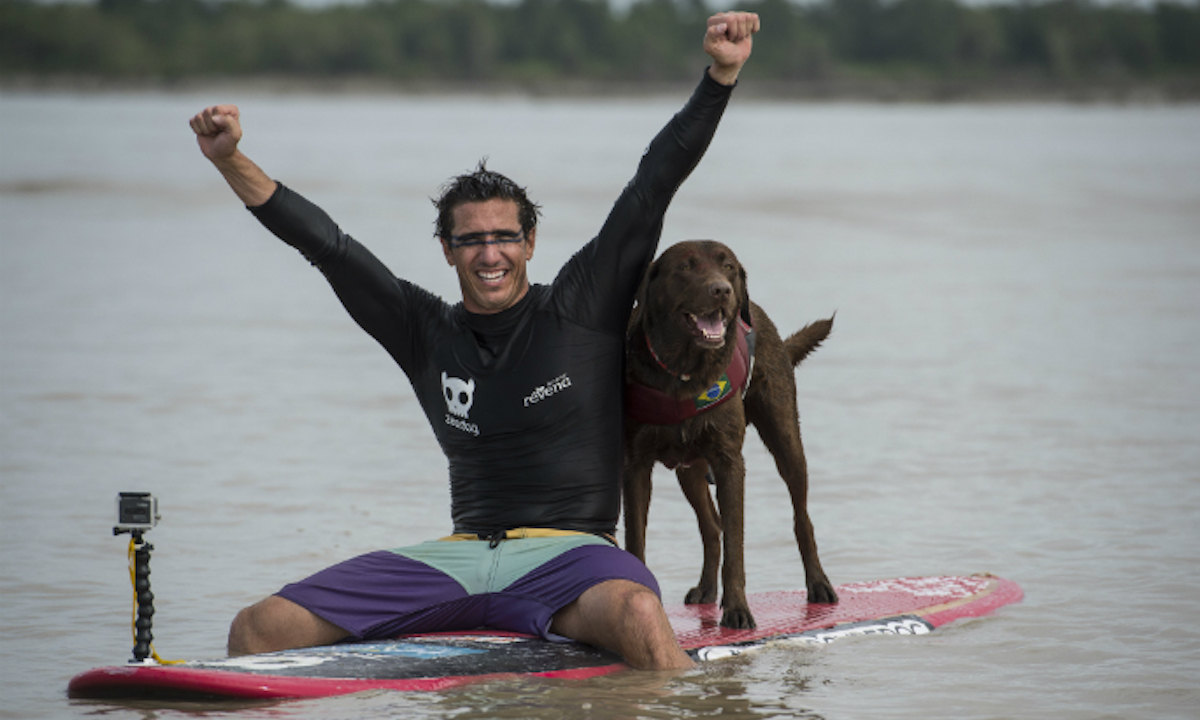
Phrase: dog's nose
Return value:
(720, 289)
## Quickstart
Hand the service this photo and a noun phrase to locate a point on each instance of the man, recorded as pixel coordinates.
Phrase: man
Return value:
(522, 386)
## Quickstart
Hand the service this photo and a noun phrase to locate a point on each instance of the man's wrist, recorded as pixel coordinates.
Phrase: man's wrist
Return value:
(232, 162)
(725, 75)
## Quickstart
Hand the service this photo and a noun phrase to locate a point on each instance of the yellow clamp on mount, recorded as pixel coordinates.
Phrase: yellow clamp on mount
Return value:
(133, 579)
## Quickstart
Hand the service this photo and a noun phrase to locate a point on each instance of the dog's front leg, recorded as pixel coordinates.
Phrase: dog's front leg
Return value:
(730, 473)
(636, 498)
(693, 481)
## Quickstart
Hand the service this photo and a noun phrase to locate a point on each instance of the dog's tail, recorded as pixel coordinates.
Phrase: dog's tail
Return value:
(808, 338)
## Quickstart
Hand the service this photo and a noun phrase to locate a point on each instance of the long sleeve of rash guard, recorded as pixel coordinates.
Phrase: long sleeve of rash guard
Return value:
(606, 272)
(385, 306)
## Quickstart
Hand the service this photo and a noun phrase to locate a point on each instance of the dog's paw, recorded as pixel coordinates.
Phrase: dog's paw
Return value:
(738, 619)
(822, 592)
(700, 596)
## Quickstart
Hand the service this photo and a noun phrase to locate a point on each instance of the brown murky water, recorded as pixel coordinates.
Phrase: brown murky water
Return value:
(1010, 385)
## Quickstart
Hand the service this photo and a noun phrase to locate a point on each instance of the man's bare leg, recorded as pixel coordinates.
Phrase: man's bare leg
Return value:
(627, 618)
(279, 624)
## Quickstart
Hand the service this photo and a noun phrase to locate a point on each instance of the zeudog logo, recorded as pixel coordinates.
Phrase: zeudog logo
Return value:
(459, 395)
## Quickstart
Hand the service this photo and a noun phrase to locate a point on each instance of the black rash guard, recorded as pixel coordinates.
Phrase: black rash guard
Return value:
(525, 403)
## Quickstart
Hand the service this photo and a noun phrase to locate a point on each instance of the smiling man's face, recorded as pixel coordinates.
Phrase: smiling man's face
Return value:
(491, 271)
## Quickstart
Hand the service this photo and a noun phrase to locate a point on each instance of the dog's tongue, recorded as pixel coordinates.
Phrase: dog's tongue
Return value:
(713, 326)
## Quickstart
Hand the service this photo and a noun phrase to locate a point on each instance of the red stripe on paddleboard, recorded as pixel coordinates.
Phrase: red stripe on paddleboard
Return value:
(148, 680)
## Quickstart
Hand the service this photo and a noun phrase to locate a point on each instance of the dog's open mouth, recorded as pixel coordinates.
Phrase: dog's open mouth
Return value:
(708, 329)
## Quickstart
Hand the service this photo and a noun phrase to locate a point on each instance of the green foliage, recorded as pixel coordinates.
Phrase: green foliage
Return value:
(474, 40)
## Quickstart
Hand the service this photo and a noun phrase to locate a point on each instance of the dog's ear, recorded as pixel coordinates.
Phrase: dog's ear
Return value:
(744, 296)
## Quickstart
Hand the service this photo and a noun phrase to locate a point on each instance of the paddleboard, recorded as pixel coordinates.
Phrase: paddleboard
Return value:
(435, 661)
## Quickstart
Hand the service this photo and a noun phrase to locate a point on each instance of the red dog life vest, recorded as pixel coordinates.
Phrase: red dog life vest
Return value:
(655, 407)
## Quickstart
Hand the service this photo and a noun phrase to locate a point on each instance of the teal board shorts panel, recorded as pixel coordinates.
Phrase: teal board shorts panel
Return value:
(483, 569)
(441, 586)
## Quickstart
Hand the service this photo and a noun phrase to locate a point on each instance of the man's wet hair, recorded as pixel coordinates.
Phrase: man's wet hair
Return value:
(479, 186)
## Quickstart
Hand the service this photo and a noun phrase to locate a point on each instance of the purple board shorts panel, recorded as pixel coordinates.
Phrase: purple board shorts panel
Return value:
(383, 594)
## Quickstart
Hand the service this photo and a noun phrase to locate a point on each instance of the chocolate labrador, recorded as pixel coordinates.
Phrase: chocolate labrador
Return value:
(695, 340)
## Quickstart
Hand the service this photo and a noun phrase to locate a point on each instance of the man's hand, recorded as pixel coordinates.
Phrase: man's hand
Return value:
(728, 41)
(218, 130)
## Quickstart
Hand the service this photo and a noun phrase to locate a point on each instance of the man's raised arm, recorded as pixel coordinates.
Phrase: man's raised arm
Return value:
(218, 130)
(728, 41)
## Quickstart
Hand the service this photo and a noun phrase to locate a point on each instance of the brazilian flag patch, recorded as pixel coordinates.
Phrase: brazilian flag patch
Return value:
(715, 394)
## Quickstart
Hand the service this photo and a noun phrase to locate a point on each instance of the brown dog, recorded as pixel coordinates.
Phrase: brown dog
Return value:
(683, 352)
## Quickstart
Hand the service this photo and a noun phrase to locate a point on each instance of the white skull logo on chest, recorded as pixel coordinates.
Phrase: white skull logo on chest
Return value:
(459, 394)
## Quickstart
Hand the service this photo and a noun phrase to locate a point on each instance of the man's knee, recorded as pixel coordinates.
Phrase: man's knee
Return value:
(276, 623)
(240, 632)
(629, 619)
(647, 638)
(642, 600)
(248, 633)
(638, 605)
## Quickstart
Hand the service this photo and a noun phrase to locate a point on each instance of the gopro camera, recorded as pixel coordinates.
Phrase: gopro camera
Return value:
(136, 512)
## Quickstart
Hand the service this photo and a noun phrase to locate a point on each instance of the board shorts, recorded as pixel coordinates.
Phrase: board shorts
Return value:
(513, 585)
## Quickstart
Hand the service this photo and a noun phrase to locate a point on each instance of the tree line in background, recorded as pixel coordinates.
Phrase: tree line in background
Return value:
(549, 40)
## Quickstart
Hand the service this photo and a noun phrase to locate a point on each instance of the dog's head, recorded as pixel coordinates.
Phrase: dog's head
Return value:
(692, 294)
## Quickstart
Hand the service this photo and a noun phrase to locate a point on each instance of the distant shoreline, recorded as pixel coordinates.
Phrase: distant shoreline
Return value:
(1181, 90)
